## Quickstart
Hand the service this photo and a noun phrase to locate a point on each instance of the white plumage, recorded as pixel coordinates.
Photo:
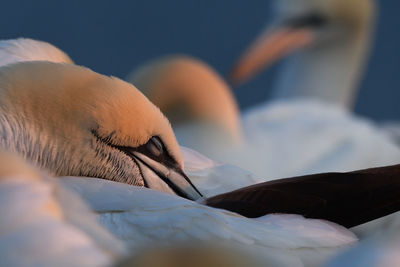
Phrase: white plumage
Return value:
(143, 217)
(45, 225)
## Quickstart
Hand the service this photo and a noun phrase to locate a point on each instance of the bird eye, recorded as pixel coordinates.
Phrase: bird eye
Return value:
(315, 20)
(155, 146)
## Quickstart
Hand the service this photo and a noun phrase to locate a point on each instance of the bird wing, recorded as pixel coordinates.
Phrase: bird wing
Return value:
(349, 199)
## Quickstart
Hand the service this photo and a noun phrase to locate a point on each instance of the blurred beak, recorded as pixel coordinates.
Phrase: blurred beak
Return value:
(274, 44)
(166, 179)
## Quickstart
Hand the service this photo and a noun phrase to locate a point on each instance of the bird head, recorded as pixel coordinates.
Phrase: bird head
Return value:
(188, 91)
(299, 25)
(72, 121)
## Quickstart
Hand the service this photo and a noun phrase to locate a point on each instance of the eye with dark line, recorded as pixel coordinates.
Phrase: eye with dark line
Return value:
(155, 147)
(315, 20)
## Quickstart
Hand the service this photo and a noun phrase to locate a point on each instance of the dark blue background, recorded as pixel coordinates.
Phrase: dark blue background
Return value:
(112, 37)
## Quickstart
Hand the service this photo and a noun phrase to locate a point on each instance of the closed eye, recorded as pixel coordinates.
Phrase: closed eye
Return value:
(154, 148)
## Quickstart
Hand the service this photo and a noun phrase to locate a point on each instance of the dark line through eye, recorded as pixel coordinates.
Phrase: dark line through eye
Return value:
(164, 158)
(309, 20)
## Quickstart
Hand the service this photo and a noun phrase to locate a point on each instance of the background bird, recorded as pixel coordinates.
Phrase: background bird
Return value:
(331, 39)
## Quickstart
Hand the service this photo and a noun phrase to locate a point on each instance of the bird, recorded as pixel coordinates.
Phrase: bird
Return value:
(317, 85)
(331, 46)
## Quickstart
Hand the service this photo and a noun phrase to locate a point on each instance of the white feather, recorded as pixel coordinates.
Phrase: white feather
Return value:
(141, 216)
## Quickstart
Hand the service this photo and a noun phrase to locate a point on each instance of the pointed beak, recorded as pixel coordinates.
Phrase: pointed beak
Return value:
(273, 44)
(166, 179)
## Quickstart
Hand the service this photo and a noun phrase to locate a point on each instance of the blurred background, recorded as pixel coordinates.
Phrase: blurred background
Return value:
(113, 37)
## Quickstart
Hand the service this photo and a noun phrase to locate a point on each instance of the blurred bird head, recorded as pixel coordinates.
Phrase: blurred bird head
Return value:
(196, 255)
(187, 91)
(304, 24)
(72, 121)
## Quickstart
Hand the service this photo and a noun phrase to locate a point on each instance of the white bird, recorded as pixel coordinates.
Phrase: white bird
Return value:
(331, 44)
(315, 88)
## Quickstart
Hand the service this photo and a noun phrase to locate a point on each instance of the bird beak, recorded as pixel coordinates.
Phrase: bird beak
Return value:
(166, 179)
(273, 44)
